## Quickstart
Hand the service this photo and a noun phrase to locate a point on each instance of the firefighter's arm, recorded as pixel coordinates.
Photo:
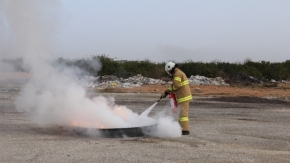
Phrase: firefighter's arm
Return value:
(163, 95)
(176, 83)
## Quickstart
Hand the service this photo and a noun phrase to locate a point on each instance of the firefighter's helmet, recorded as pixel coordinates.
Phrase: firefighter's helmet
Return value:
(169, 67)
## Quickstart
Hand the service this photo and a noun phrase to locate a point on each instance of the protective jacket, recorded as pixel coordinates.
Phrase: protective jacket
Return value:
(180, 86)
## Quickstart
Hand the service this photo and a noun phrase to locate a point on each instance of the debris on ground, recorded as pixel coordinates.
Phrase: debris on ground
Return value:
(243, 78)
(111, 81)
(202, 80)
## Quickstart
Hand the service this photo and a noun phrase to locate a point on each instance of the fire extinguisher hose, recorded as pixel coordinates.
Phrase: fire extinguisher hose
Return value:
(159, 99)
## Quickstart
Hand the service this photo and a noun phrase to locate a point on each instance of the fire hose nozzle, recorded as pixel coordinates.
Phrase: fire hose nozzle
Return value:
(160, 98)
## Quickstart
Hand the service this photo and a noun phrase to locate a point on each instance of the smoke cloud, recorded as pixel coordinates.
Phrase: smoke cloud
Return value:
(165, 118)
(54, 94)
(5, 67)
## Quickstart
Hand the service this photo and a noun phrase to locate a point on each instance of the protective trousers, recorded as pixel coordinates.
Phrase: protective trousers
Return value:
(183, 115)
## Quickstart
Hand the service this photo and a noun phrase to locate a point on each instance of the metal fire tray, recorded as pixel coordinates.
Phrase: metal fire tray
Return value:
(113, 132)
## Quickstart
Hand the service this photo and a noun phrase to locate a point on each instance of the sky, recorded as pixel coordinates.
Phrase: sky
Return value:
(177, 30)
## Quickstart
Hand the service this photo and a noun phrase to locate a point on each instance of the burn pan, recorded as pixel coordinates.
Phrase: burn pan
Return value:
(114, 132)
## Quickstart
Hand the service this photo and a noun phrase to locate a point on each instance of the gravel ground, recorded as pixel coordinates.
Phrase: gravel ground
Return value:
(232, 129)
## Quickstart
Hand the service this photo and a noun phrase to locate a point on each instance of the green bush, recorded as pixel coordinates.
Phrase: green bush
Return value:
(261, 70)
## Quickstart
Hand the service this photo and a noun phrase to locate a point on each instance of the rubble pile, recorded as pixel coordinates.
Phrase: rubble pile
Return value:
(201, 80)
(143, 80)
(110, 81)
(285, 81)
(245, 79)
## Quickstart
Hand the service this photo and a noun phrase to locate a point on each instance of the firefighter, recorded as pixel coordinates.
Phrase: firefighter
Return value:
(182, 92)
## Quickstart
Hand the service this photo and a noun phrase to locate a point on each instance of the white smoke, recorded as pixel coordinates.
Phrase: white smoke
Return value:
(6, 67)
(53, 95)
(166, 126)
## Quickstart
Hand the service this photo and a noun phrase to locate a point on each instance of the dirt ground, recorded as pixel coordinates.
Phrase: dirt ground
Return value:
(228, 124)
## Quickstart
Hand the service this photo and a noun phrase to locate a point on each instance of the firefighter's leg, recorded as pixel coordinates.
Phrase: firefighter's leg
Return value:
(183, 116)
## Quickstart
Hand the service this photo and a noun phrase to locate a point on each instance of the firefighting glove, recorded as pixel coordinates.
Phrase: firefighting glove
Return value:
(163, 95)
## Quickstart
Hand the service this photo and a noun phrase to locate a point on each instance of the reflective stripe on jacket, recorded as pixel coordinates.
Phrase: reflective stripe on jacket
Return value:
(183, 119)
(180, 86)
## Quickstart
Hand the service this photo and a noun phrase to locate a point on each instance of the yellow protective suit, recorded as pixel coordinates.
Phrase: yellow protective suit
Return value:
(181, 88)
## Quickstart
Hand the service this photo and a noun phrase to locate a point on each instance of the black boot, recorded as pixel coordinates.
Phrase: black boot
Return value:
(185, 132)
